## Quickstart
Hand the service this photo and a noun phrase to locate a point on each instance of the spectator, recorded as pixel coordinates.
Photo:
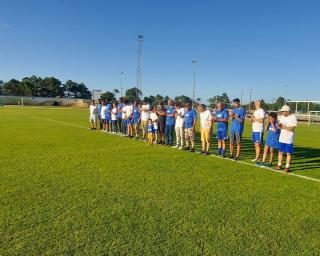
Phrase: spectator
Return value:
(206, 128)
(190, 119)
(222, 119)
(161, 112)
(170, 122)
(179, 126)
(238, 115)
(257, 120)
(287, 124)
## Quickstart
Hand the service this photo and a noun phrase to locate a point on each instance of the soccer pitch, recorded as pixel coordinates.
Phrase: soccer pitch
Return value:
(67, 190)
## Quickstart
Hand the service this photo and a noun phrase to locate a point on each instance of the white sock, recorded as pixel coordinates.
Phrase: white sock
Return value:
(287, 165)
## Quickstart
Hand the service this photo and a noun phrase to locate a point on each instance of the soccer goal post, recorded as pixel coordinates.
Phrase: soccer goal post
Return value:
(313, 116)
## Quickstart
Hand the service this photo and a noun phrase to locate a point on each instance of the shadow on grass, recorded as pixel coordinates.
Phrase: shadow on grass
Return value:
(304, 158)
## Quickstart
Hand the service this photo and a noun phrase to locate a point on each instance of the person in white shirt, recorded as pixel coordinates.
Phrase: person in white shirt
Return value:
(155, 121)
(258, 118)
(129, 113)
(205, 128)
(114, 119)
(103, 115)
(93, 115)
(145, 116)
(287, 124)
(179, 126)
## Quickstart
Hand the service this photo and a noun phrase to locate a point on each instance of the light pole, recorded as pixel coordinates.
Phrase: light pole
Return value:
(250, 99)
(194, 63)
(121, 83)
(241, 98)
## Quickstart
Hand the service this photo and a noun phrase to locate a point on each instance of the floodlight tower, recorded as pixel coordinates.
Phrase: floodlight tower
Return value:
(139, 62)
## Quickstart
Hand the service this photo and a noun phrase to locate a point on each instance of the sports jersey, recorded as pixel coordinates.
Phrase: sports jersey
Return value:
(150, 128)
(286, 136)
(222, 114)
(120, 106)
(237, 126)
(189, 117)
(257, 126)
(170, 120)
(136, 114)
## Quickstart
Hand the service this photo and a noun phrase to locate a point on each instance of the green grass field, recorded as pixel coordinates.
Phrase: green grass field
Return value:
(67, 190)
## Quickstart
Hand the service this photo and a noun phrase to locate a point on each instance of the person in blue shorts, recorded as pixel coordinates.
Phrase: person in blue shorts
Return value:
(99, 106)
(119, 115)
(287, 124)
(257, 120)
(221, 117)
(108, 116)
(136, 117)
(170, 122)
(238, 115)
(272, 140)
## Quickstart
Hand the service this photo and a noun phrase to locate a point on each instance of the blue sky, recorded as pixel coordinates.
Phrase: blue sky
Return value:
(270, 46)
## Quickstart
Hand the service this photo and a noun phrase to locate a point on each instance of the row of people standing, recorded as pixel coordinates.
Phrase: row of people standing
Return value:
(159, 124)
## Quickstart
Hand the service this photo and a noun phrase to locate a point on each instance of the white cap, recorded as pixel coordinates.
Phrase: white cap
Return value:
(285, 108)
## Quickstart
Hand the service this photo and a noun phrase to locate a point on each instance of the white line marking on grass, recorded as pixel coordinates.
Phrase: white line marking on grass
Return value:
(70, 124)
(270, 169)
(242, 162)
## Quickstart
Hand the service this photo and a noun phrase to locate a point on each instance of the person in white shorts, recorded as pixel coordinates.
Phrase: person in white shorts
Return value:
(145, 116)
(287, 124)
(179, 126)
(154, 118)
(93, 115)
(258, 119)
(103, 115)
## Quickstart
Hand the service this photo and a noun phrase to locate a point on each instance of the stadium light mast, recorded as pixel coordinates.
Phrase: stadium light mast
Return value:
(121, 85)
(194, 63)
(250, 99)
(139, 62)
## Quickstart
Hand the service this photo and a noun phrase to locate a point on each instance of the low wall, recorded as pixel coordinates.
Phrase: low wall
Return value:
(43, 101)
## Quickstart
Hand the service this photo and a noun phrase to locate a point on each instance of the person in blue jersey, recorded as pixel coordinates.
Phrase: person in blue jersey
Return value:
(108, 116)
(99, 106)
(190, 120)
(272, 140)
(119, 115)
(150, 131)
(221, 118)
(238, 115)
(136, 117)
(170, 122)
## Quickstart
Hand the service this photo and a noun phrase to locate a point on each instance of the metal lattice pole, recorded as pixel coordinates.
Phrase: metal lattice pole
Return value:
(139, 63)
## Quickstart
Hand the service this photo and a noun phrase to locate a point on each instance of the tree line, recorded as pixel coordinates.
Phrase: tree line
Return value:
(45, 87)
(52, 87)
(134, 93)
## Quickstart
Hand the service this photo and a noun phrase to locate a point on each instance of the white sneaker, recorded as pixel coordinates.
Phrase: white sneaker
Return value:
(176, 146)
(254, 160)
(180, 148)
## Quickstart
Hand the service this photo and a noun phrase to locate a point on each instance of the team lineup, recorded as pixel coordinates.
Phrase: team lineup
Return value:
(161, 122)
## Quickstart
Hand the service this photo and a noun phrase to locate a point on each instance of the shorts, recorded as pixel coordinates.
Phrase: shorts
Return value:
(108, 119)
(272, 140)
(129, 121)
(236, 136)
(257, 137)
(136, 121)
(222, 135)
(189, 134)
(144, 124)
(93, 118)
(286, 148)
(205, 134)
(162, 126)
(155, 126)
